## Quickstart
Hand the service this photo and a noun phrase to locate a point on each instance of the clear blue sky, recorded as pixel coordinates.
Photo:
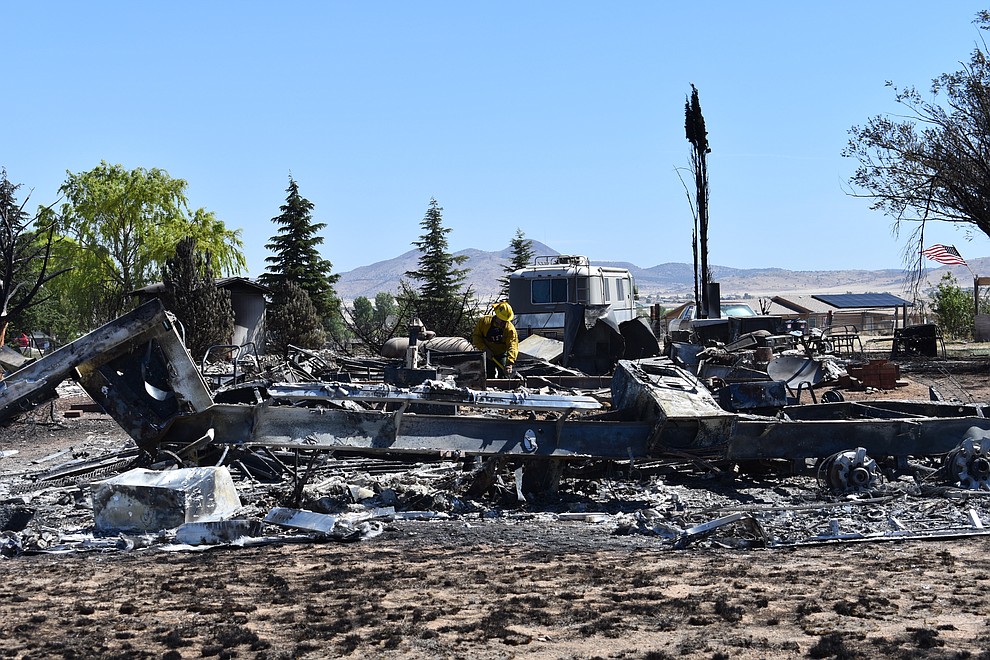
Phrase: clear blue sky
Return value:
(565, 119)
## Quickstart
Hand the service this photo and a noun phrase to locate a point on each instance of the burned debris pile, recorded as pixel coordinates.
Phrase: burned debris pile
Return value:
(710, 443)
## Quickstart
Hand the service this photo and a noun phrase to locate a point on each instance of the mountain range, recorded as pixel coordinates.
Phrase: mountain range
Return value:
(669, 281)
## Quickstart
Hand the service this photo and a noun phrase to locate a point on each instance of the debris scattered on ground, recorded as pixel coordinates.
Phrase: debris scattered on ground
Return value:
(719, 454)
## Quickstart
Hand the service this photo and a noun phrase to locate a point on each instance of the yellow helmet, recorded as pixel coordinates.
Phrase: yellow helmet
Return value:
(503, 310)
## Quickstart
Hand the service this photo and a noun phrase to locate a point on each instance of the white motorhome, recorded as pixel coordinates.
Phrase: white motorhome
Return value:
(539, 293)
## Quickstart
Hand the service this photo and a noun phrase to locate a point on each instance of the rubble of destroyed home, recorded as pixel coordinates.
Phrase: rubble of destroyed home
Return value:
(733, 432)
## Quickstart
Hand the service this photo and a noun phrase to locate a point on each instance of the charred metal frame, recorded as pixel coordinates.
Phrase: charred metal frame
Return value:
(137, 368)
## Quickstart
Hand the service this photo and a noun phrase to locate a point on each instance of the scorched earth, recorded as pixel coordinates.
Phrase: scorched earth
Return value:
(589, 572)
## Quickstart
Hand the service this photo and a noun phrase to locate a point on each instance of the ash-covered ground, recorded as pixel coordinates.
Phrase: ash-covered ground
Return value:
(608, 566)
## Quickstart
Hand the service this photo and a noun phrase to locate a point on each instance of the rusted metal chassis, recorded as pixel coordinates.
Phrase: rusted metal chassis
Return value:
(406, 433)
(755, 439)
(749, 438)
(687, 420)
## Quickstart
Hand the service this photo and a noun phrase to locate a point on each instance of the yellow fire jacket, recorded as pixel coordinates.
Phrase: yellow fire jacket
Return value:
(498, 341)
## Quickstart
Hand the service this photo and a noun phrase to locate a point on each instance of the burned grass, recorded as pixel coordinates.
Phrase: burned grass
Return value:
(497, 589)
(404, 597)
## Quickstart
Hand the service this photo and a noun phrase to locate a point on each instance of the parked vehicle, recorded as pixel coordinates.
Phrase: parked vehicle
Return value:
(683, 320)
(540, 293)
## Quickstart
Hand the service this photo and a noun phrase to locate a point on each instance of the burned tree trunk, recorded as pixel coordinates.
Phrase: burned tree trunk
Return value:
(697, 135)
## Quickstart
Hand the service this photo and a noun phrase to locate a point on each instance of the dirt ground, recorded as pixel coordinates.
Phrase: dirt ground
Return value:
(475, 586)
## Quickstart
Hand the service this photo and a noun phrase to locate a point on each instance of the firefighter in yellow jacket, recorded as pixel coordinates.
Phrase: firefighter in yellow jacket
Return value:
(497, 337)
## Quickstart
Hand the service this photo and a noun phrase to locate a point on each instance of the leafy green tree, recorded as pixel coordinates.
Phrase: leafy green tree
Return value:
(25, 260)
(296, 258)
(953, 307)
(521, 255)
(374, 323)
(292, 319)
(933, 162)
(441, 302)
(122, 225)
(191, 293)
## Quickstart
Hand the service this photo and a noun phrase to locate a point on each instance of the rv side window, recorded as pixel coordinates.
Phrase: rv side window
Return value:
(581, 289)
(608, 288)
(619, 293)
(549, 291)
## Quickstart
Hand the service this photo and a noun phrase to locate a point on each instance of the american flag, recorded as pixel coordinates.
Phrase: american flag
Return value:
(945, 254)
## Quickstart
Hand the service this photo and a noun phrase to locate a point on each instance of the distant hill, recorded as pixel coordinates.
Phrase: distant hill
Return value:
(663, 281)
(486, 269)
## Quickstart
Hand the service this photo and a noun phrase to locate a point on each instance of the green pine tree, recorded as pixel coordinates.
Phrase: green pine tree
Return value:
(521, 256)
(441, 302)
(297, 259)
(292, 319)
(190, 292)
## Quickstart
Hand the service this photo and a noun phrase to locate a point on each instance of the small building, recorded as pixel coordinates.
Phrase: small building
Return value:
(247, 297)
(879, 313)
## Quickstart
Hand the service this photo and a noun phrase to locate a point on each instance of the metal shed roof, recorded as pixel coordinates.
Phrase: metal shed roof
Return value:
(222, 282)
(802, 304)
(862, 300)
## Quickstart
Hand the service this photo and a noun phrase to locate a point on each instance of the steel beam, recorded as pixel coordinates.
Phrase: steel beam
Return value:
(383, 432)
(450, 396)
(755, 439)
